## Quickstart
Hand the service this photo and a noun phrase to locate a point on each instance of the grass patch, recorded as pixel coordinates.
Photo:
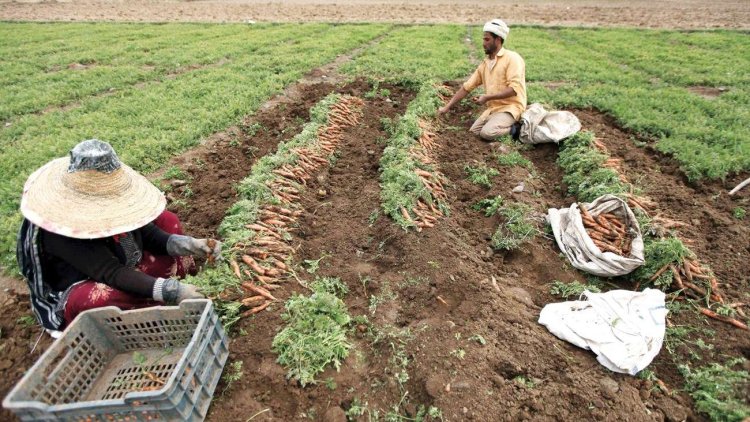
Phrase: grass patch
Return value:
(489, 206)
(573, 289)
(517, 229)
(314, 336)
(718, 390)
(513, 159)
(481, 174)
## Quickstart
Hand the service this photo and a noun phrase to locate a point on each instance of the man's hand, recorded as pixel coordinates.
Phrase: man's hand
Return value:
(481, 99)
(442, 110)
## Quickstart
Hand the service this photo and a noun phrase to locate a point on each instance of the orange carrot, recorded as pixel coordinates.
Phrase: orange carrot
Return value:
(259, 290)
(265, 279)
(658, 273)
(253, 264)
(677, 278)
(235, 268)
(248, 301)
(732, 321)
(255, 310)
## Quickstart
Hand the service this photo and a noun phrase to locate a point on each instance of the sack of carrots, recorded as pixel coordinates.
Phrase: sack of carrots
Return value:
(601, 238)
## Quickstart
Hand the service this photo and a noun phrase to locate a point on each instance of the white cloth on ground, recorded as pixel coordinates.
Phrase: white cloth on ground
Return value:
(624, 328)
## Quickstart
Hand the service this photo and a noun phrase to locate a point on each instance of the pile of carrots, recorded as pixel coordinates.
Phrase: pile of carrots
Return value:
(426, 214)
(263, 261)
(608, 232)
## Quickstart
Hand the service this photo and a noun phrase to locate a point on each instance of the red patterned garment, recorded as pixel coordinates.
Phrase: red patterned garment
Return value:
(91, 294)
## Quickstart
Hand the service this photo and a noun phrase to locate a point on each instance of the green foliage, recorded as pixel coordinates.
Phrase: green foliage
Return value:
(718, 390)
(658, 253)
(739, 213)
(386, 294)
(574, 289)
(584, 174)
(490, 206)
(517, 229)
(26, 321)
(233, 373)
(314, 337)
(332, 285)
(415, 54)
(524, 382)
(513, 159)
(480, 175)
(175, 172)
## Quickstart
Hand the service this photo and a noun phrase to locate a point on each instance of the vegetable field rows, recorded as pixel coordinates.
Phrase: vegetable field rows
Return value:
(381, 263)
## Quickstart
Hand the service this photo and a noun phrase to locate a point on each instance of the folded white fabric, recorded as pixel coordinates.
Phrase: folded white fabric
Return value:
(625, 329)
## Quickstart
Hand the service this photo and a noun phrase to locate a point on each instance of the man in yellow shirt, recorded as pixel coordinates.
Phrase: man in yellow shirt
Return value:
(503, 74)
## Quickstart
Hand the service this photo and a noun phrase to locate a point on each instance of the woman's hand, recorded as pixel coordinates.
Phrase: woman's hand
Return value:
(178, 245)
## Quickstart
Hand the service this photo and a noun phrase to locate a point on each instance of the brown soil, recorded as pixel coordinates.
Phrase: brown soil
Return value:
(19, 333)
(690, 14)
(707, 91)
(441, 281)
(452, 262)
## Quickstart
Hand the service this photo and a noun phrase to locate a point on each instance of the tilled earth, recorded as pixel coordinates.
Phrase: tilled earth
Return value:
(689, 14)
(459, 318)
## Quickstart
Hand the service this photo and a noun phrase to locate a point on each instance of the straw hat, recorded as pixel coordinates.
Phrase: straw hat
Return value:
(90, 194)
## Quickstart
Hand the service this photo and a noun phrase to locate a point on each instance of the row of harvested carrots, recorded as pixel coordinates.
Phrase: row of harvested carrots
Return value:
(262, 262)
(426, 214)
(687, 276)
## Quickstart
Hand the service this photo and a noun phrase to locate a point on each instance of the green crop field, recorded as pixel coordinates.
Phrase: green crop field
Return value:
(156, 90)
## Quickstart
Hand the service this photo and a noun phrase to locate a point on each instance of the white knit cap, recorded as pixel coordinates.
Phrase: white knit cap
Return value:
(497, 27)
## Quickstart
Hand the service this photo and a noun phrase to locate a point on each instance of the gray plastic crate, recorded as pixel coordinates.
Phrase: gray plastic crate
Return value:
(91, 373)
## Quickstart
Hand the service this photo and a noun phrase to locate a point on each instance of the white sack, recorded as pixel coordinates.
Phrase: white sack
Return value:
(539, 126)
(625, 329)
(575, 243)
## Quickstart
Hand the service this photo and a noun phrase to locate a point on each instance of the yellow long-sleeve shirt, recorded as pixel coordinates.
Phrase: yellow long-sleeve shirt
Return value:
(509, 70)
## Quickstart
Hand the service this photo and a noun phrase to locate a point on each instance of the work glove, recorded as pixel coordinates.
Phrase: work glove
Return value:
(172, 292)
(178, 245)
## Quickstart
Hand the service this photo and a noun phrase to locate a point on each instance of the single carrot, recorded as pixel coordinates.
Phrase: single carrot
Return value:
(677, 278)
(658, 272)
(247, 259)
(248, 301)
(732, 321)
(259, 290)
(663, 387)
(255, 310)
(265, 279)
(236, 268)
(686, 270)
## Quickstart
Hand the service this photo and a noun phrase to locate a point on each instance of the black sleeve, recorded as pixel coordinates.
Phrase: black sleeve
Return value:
(95, 260)
(154, 239)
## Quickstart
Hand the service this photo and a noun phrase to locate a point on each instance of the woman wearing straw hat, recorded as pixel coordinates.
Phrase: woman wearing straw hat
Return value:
(96, 233)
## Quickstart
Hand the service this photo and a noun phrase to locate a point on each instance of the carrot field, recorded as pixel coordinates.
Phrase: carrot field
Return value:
(380, 263)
